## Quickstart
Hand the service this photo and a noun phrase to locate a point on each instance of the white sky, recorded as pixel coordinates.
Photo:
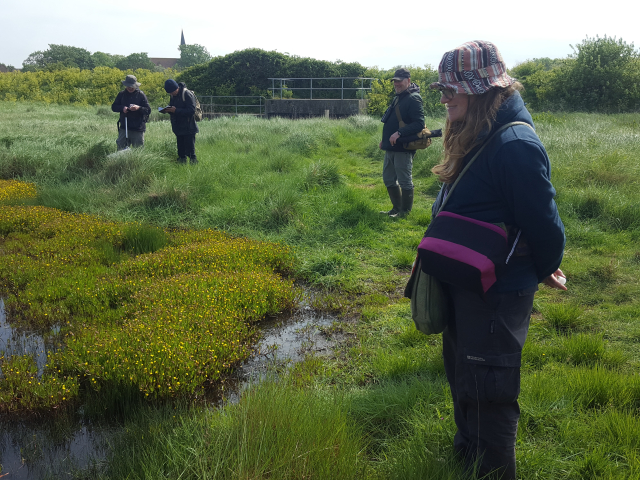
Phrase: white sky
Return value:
(373, 33)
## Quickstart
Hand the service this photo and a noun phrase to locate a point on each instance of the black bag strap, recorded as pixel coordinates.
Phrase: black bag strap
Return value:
(464, 170)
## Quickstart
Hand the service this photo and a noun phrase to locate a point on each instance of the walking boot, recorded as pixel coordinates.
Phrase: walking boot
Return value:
(406, 204)
(395, 194)
(194, 160)
(182, 160)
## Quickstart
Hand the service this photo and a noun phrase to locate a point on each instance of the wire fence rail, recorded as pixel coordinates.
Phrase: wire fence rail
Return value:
(282, 87)
(218, 105)
(297, 88)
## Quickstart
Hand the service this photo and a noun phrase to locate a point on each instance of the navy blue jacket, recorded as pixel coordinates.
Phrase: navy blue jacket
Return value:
(510, 182)
(412, 113)
(183, 120)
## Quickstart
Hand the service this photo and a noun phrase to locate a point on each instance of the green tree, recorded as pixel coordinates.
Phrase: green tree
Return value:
(57, 57)
(539, 77)
(602, 75)
(35, 61)
(380, 96)
(605, 76)
(135, 61)
(101, 59)
(191, 55)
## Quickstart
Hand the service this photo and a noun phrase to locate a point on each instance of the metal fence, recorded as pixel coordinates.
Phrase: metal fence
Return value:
(232, 105)
(281, 85)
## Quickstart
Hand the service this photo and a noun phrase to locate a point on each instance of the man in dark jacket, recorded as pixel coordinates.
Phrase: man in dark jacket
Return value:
(133, 106)
(182, 108)
(398, 162)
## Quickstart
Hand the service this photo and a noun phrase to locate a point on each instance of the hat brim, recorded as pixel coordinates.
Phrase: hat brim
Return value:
(456, 87)
(136, 84)
(400, 78)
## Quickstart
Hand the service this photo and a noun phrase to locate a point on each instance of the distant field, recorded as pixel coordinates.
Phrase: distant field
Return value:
(315, 186)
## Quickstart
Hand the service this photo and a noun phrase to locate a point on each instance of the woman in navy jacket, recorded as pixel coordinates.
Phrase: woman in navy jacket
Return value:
(508, 183)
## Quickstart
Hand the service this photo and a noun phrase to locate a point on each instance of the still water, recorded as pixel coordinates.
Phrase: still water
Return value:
(54, 448)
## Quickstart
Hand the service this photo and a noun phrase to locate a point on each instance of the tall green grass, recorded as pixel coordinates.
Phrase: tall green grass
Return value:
(275, 431)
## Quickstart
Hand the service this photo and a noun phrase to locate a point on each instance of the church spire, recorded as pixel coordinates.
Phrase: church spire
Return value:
(182, 42)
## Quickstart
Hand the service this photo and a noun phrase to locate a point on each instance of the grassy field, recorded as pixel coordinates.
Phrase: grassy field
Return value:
(380, 407)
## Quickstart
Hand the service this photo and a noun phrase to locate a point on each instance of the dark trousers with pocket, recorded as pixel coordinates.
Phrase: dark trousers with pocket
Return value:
(482, 347)
(186, 146)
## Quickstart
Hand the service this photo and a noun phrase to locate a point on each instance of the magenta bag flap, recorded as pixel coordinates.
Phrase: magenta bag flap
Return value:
(464, 252)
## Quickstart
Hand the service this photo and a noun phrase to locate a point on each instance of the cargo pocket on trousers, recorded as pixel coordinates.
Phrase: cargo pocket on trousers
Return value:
(493, 378)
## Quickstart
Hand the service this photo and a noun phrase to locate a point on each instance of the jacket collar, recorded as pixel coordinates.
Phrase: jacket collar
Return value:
(512, 110)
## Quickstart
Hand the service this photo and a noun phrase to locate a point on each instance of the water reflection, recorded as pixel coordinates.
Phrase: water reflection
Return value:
(285, 341)
(55, 448)
(24, 342)
(49, 448)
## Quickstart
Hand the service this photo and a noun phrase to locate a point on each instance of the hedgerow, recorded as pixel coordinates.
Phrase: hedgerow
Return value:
(74, 86)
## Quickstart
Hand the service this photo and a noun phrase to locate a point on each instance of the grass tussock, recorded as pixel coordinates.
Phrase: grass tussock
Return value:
(275, 431)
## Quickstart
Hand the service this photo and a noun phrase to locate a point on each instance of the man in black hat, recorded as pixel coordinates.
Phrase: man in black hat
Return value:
(134, 109)
(406, 107)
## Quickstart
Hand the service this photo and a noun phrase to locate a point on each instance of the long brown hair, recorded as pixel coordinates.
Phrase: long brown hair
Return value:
(462, 136)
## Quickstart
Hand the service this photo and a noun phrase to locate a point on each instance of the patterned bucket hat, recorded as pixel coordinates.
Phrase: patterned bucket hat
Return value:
(472, 68)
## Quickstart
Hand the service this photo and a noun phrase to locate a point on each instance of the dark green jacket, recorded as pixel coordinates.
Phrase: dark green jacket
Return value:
(410, 103)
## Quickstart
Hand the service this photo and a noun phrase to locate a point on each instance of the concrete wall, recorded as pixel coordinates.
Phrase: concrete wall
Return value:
(315, 108)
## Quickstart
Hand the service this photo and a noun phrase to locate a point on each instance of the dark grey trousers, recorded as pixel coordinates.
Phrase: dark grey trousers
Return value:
(396, 169)
(136, 139)
(482, 347)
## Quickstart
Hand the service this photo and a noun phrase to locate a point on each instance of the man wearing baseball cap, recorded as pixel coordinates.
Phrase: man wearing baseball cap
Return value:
(406, 107)
(133, 107)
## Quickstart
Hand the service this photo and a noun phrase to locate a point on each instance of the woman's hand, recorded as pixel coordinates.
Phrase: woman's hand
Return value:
(170, 109)
(553, 282)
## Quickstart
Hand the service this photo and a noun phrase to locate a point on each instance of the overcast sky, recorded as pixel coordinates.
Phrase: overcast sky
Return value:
(373, 33)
